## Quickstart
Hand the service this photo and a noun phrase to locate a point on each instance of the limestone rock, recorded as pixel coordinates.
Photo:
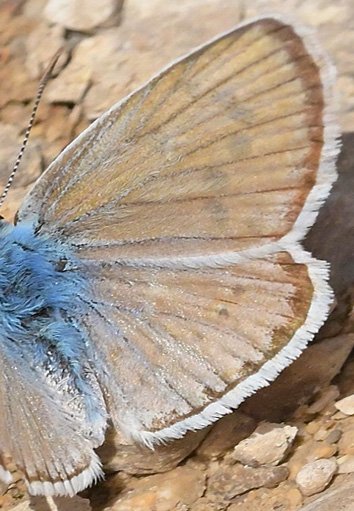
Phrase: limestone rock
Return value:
(10, 142)
(82, 15)
(182, 486)
(39, 54)
(118, 453)
(346, 464)
(329, 500)
(315, 476)
(53, 504)
(323, 399)
(228, 482)
(346, 442)
(268, 445)
(313, 370)
(346, 405)
(225, 434)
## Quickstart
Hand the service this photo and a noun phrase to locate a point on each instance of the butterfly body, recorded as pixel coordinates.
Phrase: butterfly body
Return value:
(155, 277)
(41, 289)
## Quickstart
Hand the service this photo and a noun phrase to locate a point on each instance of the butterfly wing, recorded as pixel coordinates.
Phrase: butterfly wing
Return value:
(43, 441)
(187, 202)
(187, 344)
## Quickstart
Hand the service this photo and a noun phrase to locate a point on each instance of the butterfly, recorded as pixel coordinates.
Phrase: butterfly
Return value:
(154, 277)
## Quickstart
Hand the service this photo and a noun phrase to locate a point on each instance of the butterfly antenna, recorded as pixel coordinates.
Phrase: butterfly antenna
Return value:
(44, 80)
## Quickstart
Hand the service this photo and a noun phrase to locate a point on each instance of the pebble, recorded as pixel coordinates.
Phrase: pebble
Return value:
(229, 482)
(119, 454)
(346, 443)
(294, 497)
(181, 487)
(324, 450)
(334, 436)
(346, 464)
(315, 476)
(312, 427)
(346, 405)
(321, 434)
(227, 432)
(268, 445)
(339, 416)
(324, 399)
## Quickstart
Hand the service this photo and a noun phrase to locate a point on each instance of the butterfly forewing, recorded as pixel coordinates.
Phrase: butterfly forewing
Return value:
(186, 202)
(236, 127)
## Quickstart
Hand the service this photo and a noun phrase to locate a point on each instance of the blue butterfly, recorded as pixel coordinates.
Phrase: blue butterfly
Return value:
(154, 277)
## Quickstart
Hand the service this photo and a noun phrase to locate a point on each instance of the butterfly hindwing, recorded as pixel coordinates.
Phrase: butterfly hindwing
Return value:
(179, 339)
(43, 440)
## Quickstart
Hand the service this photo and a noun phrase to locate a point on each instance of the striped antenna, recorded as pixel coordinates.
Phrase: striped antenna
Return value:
(45, 78)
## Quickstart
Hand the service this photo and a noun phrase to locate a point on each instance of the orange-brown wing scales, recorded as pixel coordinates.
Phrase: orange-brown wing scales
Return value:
(179, 339)
(235, 127)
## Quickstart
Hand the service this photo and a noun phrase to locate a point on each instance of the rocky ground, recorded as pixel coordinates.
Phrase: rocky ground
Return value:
(291, 446)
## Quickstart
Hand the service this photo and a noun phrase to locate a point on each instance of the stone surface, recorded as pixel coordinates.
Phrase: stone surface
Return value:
(82, 15)
(228, 482)
(334, 436)
(329, 233)
(268, 445)
(183, 486)
(283, 497)
(322, 400)
(340, 495)
(38, 54)
(315, 476)
(226, 433)
(346, 464)
(346, 405)
(10, 142)
(324, 450)
(295, 498)
(23, 506)
(118, 453)
(73, 82)
(53, 504)
(59, 504)
(312, 371)
(346, 442)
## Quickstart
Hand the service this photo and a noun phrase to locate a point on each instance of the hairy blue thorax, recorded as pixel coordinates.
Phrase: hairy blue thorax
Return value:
(42, 286)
